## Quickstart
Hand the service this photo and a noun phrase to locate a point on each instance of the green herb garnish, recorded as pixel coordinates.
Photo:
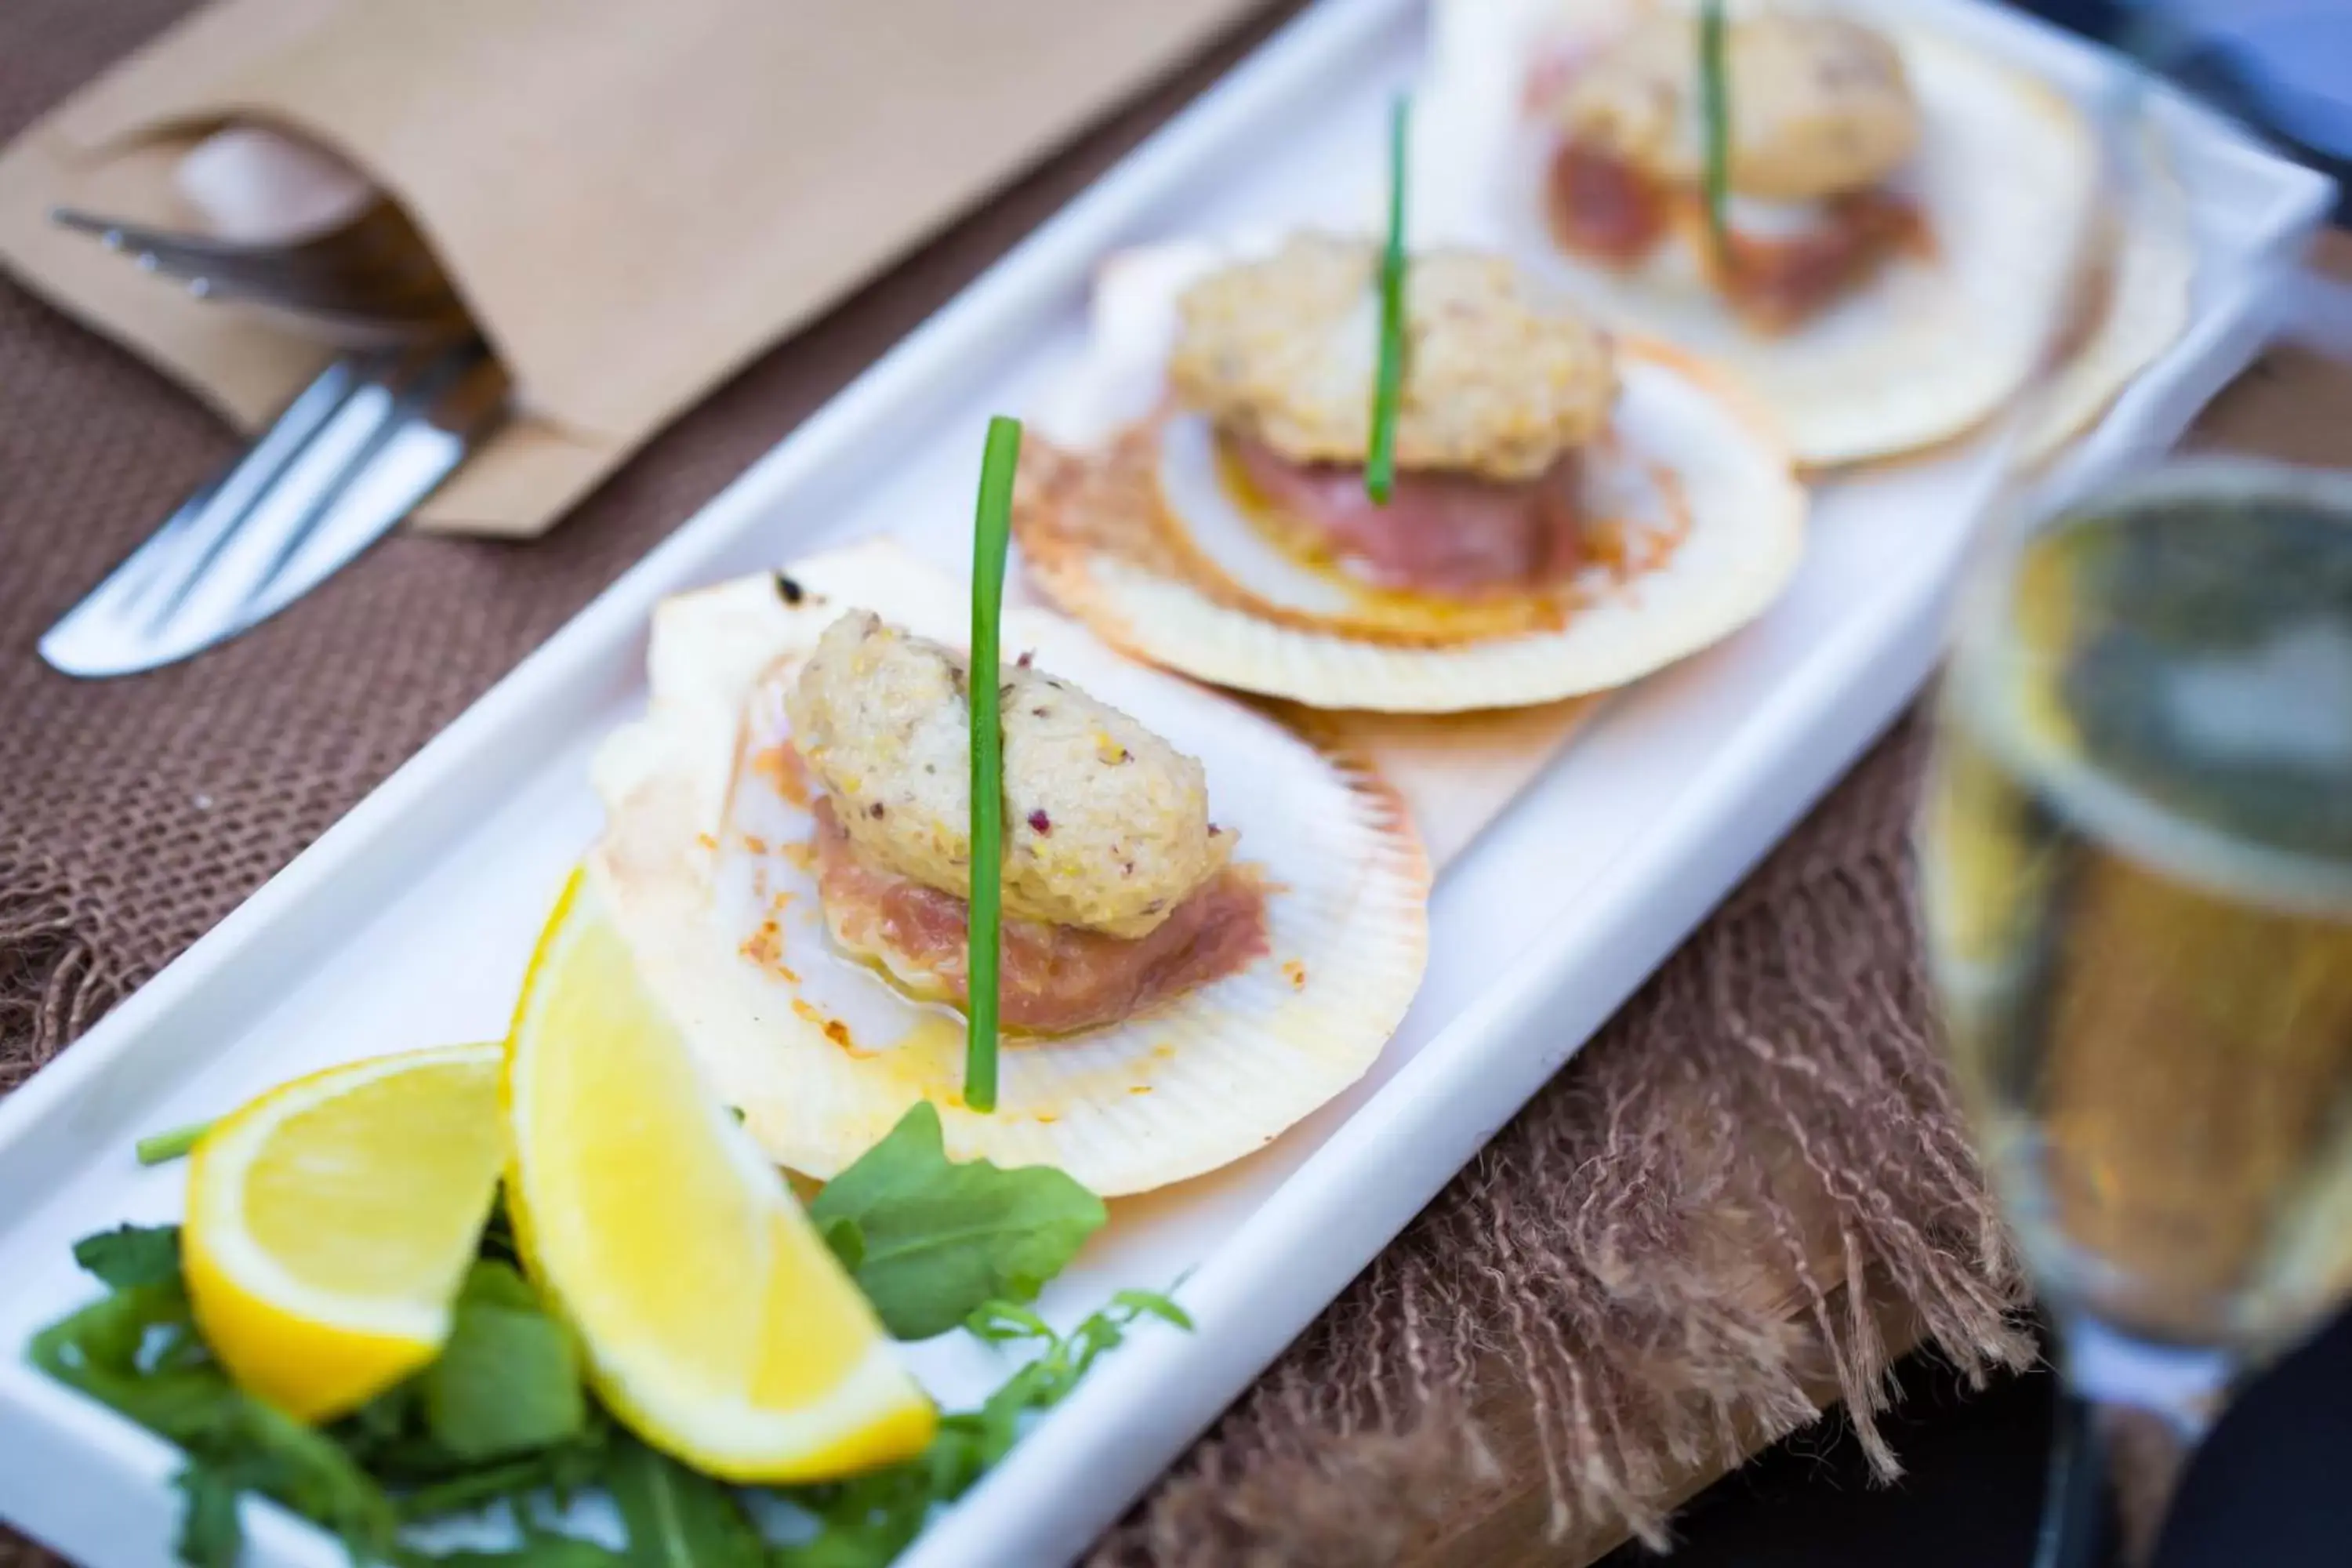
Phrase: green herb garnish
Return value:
(508, 1381)
(501, 1420)
(929, 1240)
(165, 1147)
(678, 1517)
(131, 1254)
(138, 1351)
(868, 1521)
(1715, 112)
(1388, 380)
(992, 528)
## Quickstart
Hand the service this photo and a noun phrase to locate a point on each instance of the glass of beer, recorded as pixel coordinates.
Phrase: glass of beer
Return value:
(2136, 846)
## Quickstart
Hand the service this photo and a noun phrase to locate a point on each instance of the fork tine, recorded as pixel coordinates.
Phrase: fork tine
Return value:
(290, 288)
(105, 228)
(377, 268)
(172, 246)
(401, 289)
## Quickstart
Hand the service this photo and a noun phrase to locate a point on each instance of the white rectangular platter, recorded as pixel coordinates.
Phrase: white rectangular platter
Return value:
(410, 921)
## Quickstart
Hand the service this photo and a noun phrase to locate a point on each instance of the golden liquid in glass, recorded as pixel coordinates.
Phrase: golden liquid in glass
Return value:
(2137, 876)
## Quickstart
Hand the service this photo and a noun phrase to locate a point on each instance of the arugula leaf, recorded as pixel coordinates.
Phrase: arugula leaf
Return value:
(508, 1379)
(559, 1472)
(138, 1351)
(866, 1521)
(393, 1437)
(511, 1481)
(935, 1239)
(869, 1521)
(1001, 1322)
(1152, 1304)
(210, 1533)
(497, 1243)
(845, 1241)
(280, 1457)
(131, 1254)
(538, 1549)
(679, 1518)
(1066, 1357)
(888, 1526)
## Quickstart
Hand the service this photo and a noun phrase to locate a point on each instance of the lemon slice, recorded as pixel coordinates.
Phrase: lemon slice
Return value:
(330, 1221)
(716, 1324)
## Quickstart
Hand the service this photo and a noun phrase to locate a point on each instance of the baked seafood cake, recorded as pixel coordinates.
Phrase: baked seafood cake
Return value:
(1210, 927)
(1571, 509)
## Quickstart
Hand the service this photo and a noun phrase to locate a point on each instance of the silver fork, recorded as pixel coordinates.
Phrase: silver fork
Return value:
(348, 457)
(374, 271)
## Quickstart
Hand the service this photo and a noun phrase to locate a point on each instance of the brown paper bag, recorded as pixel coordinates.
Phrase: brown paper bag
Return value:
(634, 198)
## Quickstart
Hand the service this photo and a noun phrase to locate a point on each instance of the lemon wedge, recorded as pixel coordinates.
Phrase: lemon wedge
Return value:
(716, 1324)
(330, 1223)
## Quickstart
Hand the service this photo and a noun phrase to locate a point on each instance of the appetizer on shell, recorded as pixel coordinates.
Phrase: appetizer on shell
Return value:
(1210, 928)
(1569, 512)
(1897, 214)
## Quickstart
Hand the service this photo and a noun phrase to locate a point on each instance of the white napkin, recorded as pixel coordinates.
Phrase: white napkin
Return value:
(261, 186)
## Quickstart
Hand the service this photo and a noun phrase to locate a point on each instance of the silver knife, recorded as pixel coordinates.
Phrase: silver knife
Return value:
(352, 454)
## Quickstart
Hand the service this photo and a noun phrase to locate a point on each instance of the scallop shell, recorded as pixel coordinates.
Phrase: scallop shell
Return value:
(1130, 528)
(1933, 347)
(822, 1057)
(2151, 268)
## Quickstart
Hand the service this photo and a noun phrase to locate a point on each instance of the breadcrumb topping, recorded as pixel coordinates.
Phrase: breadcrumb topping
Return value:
(1107, 825)
(1820, 104)
(1499, 382)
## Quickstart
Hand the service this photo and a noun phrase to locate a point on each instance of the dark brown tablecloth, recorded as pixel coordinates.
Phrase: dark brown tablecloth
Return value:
(1721, 1215)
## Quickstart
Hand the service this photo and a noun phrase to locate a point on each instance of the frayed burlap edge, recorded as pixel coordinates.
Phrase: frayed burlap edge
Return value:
(1646, 1276)
(55, 980)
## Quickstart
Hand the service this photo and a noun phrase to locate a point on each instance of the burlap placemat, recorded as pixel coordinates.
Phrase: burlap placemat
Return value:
(1713, 1220)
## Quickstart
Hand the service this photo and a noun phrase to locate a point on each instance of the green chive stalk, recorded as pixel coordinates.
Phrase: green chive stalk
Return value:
(1388, 383)
(991, 527)
(1714, 110)
(165, 1147)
